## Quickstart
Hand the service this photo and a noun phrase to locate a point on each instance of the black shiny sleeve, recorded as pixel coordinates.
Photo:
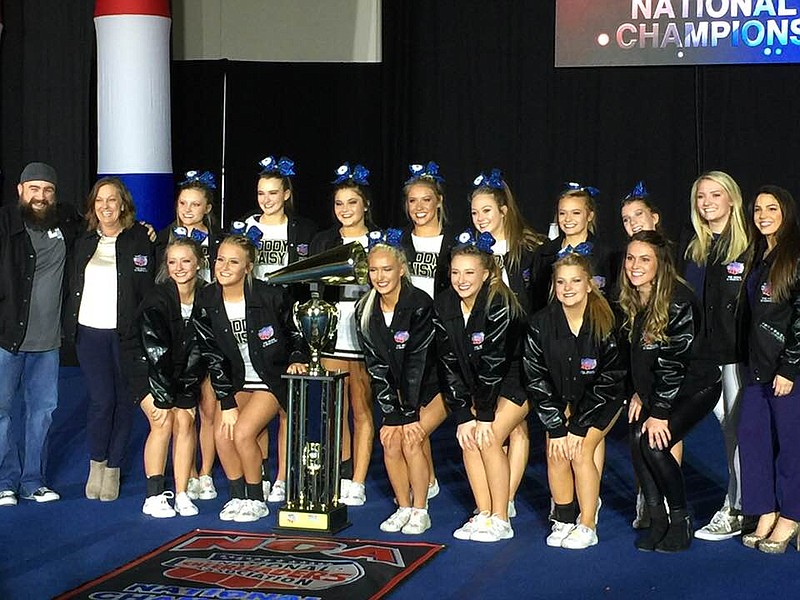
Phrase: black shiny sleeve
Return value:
(790, 356)
(606, 390)
(380, 376)
(456, 392)
(494, 360)
(157, 343)
(218, 366)
(546, 401)
(673, 358)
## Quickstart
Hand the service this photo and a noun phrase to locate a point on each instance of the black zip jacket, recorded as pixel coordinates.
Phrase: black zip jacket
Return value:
(664, 373)
(215, 238)
(273, 341)
(136, 268)
(176, 366)
(722, 336)
(562, 369)
(773, 327)
(547, 254)
(299, 233)
(401, 358)
(441, 275)
(17, 266)
(474, 359)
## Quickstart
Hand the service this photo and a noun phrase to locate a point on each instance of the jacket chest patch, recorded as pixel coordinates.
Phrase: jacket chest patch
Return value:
(302, 249)
(766, 292)
(140, 263)
(648, 343)
(588, 366)
(267, 336)
(400, 339)
(735, 271)
(599, 281)
(477, 339)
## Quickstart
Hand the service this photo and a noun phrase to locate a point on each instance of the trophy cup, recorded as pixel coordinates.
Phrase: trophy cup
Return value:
(313, 456)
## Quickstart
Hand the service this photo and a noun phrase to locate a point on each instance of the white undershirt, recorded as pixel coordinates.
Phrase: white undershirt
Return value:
(237, 317)
(272, 253)
(500, 248)
(99, 298)
(423, 276)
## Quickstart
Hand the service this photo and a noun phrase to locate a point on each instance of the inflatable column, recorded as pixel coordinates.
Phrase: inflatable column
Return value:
(133, 102)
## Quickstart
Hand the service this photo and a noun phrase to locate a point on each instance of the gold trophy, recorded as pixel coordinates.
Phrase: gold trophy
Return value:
(313, 461)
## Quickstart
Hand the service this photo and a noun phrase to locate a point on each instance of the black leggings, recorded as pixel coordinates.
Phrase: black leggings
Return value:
(659, 473)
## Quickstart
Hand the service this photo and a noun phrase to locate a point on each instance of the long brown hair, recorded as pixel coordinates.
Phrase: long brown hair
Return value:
(656, 310)
(598, 311)
(127, 216)
(497, 286)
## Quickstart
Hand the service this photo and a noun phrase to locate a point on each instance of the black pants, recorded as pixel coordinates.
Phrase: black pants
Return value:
(659, 473)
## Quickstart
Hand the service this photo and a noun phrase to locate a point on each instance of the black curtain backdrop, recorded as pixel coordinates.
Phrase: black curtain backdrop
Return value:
(48, 93)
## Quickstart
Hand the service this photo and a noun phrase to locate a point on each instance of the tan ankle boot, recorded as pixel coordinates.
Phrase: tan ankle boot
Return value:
(110, 489)
(95, 480)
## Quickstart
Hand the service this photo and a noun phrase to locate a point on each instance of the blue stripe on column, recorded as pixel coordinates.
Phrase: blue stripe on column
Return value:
(153, 195)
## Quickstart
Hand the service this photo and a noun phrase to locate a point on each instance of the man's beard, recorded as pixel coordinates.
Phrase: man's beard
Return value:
(39, 219)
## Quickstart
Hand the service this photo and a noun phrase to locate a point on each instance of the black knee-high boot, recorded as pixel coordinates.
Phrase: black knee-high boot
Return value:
(679, 535)
(659, 525)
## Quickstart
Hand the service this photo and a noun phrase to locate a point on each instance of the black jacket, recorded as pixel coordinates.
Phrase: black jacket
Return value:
(563, 370)
(17, 266)
(665, 373)
(546, 255)
(773, 331)
(441, 275)
(299, 233)
(272, 339)
(176, 367)
(136, 268)
(722, 335)
(401, 358)
(215, 238)
(474, 359)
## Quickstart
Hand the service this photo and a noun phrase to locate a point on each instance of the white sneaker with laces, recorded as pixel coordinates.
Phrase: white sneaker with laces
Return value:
(579, 538)
(723, 526)
(558, 532)
(252, 510)
(356, 495)
(8, 498)
(278, 491)
(231, 509)
(433, 489)
(193, 488)
(43, 494)
(158, 506)
(466, 530)
(512, 509)
(419, 522)
(344, 487)
(184, 505)
(206, 490)
(493, 529)
(397, 520)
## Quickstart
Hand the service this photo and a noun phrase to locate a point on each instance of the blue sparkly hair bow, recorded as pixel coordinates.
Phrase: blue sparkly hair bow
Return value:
(638, 191)
(206, 178)
(429, 171)
(284, 166)
(571, 186)
(252, 233)
(493, 180)
(582, 249)
(197, 235)
(482, 242)
(358, 174)
(390, 237)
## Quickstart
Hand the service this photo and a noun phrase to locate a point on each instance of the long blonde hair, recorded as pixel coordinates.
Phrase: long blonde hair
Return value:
(656, 310)
(598, 311)
(591, 206)
(733, 241)
(497, 286)
(367, 301)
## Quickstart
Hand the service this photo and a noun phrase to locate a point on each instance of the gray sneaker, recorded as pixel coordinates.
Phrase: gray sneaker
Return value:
(723, 526)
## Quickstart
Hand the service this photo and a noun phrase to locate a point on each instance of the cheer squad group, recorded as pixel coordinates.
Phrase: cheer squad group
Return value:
(483, 326)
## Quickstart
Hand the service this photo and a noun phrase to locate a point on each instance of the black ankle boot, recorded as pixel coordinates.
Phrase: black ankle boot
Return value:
(679, 535)
(659, 525)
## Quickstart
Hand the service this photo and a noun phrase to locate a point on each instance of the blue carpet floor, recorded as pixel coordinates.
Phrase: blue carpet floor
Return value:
(48, 549)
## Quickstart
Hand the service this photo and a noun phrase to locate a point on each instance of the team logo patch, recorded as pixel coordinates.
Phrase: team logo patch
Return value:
(140, 260)
(400, 337)
(477, 338)
(735, 268)
(766, 289)
(302, 249)
(266, 333)
(526, 275)
(588, 364)
(599, 281)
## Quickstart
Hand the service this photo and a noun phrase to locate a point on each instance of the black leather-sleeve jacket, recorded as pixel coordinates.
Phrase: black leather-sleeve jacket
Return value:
(272, 339)
(722, 334)
(441, 274)
(474, 359)
(401, 357)
(175, 364)
(563, 370)
(664, 372)
(774, 327)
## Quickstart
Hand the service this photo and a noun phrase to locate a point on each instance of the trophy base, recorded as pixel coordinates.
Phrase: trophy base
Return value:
(330, 521)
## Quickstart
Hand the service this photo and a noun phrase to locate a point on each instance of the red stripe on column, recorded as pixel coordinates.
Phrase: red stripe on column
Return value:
(158, 8)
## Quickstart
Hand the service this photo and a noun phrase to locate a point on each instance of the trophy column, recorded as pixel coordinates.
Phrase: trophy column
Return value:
(313, 456)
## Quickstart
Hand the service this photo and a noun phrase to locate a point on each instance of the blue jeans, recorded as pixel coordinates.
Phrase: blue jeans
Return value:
(30, 378)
